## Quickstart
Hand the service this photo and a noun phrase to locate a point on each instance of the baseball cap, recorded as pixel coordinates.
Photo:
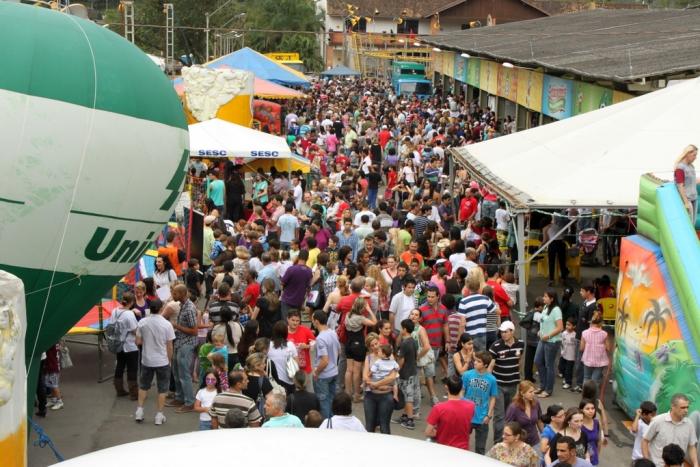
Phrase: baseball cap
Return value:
(506, 326)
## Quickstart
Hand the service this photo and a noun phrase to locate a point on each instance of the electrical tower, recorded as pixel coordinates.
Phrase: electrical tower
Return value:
(169, 36)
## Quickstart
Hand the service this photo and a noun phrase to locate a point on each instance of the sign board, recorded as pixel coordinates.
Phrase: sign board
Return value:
(589, 97)
(557, 97)
(530, 89)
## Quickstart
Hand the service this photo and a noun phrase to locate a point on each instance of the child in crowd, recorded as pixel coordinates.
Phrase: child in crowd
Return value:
(219, 244)
(294, 251)
(204, 400)
(568, 351)
(218, 367)
(645, 413)
(194, 278)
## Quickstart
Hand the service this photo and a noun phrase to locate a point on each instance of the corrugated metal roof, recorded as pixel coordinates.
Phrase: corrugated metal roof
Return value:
(617, 45)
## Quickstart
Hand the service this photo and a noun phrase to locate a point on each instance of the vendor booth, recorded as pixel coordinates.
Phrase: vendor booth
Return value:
(218, 139)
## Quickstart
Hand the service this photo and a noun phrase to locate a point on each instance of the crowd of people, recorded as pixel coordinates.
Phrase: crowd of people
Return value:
(375, 280)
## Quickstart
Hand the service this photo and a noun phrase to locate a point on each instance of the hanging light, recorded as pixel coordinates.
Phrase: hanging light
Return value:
(436, 49)
(417, 44)
(508, 65)
(465, 55)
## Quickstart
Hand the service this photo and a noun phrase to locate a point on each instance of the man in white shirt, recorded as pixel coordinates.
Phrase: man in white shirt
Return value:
(674, 427)
(155, 335)
(357, 221)
(298, 192)
(402, 303)
(342, 418)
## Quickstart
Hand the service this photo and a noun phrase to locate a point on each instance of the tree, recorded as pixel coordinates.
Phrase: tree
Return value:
(262, 16)
(623, 318)
(656, 317)
(286, 15)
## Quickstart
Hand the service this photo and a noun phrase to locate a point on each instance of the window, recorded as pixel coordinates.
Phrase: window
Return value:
(408, 26)
(360, 26)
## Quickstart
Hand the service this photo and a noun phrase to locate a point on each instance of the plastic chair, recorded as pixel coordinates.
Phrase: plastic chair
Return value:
(533, 245)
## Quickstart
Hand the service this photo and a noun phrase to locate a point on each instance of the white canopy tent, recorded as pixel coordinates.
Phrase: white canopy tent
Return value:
(218, 138)
(594, 159)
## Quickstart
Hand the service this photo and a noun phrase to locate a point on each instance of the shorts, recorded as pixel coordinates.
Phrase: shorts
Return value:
(355, 348)
(162, 374)
(51, 380)
(410, 388)
(429, 370)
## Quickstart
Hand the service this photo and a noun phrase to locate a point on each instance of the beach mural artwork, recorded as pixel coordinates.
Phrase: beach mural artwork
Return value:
(656, 353)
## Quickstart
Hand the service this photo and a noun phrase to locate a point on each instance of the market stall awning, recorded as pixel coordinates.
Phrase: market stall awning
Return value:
(214, 139)
(340, 70)
(262, 66)
(594, 159)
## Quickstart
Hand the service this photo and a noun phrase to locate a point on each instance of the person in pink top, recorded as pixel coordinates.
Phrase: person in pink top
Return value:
(595, 346)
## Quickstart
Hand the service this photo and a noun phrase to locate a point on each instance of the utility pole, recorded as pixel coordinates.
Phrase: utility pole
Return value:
(129, 34)
(169, 35)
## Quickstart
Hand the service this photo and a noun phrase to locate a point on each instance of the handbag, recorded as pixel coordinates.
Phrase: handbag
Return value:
(292, 366)
(276, 387)
(399, 403)
(66, 361)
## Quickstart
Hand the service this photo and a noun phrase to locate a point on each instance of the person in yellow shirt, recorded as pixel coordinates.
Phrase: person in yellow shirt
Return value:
(314, 251)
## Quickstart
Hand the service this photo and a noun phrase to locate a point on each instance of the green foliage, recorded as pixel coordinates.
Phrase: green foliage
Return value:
(286, 15)
(680, 377)
(280, 15)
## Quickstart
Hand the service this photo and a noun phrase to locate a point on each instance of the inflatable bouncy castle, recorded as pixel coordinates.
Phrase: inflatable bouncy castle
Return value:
(657, 327)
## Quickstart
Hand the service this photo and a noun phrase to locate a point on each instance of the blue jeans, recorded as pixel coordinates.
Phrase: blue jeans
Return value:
(378, 410)
(481, 433)
(545, 359)
(488, 209)
(204, 425)
(182, 372)
(325, 391)
(506, 393)
(578, 366)
(372, 197)
(593, 372)
(479, 342)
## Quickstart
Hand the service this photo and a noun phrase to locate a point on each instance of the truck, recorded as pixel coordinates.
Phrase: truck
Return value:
(408, 79)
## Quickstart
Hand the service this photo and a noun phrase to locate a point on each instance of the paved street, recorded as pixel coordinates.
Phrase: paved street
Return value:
(93, 418)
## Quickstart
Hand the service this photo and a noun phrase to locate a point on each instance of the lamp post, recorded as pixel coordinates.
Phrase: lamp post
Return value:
(208, 15)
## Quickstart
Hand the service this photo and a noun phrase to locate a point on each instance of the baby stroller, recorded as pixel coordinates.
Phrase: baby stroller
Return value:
(588, 242)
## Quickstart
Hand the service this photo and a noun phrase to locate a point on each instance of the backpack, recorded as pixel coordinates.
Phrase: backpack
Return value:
(114, 332)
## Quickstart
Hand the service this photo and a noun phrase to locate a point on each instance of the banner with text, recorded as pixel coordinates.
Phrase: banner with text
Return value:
(556, 97)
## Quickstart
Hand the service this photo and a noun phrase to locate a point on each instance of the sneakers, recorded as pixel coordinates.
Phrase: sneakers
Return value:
(565, 386)
(434, 400)
(409, 424)
(50, 402)
(138, 416)
(183, 409)
(416, 414)
(576, 389)
(160, 418)
(57, 405)
(174, 403)
(400, 420)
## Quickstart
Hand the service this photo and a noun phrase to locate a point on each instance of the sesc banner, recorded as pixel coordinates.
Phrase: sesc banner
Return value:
(557, 97)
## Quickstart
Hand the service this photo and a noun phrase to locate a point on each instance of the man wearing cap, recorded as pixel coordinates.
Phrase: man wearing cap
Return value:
(505, 367)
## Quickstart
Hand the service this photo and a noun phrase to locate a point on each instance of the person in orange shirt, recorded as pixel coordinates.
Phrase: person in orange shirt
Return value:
(174, 254)
(408, 256)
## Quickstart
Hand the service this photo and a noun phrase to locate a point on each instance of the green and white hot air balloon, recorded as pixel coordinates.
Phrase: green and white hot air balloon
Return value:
(93, 158)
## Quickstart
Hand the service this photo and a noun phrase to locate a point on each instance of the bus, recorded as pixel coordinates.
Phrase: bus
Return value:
(290, 59)
(408, 79)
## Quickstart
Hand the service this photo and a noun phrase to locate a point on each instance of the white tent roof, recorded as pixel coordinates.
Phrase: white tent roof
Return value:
(219, 138)
(594, 159)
